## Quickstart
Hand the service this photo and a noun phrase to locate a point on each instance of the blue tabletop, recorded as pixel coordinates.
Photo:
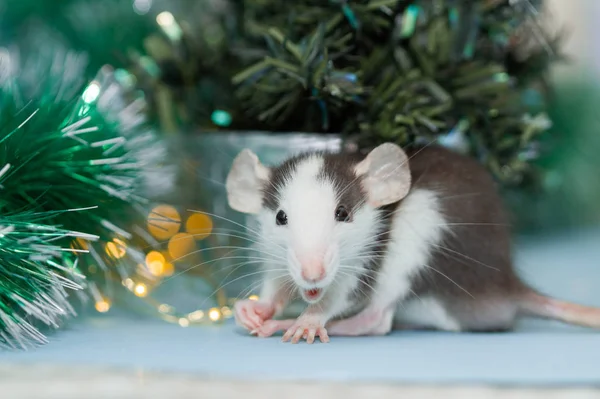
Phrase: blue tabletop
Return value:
(537, 352)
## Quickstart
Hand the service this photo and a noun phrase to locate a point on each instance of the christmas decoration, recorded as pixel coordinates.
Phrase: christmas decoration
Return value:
(77, 162)
(469, 74)
(35, 275)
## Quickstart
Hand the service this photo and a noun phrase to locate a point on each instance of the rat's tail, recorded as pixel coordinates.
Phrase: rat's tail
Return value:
(539, 305)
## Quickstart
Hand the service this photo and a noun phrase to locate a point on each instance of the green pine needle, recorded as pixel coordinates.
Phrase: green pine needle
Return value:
(469, 74)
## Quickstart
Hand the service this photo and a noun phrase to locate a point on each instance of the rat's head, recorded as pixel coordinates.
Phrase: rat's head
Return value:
(319, 212)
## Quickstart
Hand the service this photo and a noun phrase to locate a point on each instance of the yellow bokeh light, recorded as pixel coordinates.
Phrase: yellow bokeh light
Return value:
(163, 222)
(156, 268)
(183, 322)
(226, 312)
(199, 225)
(180, 245)
(197, 315)
(253, 297)
(116, 248)
(79, 243)
(164, 308)
(214, 314)
(140, 290)
(128, 283)
(168, 269)
(102, 306)
(155, 263)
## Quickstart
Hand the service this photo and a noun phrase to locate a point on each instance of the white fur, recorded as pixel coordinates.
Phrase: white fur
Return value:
(426, 312)
(417, 226)
(312, 233)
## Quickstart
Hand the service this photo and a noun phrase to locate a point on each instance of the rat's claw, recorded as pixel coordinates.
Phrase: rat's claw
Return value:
(310, 335)
(306, 329)
(323, 336)
(297, 335)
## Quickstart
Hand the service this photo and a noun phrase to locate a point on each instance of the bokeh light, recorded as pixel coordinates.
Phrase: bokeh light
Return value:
(91, 93)
(214, 314)
(102, 306)
(199, 225)
(116, 248)
(196, 316)
(155, 263)
(164, 221)
(181, 244)
(140, 290)
(168, 269)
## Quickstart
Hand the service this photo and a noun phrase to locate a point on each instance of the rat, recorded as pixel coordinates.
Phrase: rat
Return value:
(395, 239)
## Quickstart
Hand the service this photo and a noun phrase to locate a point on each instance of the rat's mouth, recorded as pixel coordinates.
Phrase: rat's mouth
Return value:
(313, 294)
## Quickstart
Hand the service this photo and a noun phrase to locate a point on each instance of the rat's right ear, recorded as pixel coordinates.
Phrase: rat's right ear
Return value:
(386, 175)
(245, 182)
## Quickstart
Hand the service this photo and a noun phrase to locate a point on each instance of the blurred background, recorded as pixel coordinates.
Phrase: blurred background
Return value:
(136, 108)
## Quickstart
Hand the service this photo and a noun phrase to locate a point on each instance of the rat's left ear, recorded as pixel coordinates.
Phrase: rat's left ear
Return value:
(386, 175)
(245, 182)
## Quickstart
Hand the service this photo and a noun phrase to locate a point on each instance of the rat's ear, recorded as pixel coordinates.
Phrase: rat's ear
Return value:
(386, 175)
(245, 182)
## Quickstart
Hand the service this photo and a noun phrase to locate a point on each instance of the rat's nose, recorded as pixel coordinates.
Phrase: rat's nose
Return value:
(313, 272)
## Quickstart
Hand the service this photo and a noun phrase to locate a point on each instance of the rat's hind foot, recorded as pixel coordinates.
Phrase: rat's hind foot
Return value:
(252, 314)
(367, 322)
(306, 327)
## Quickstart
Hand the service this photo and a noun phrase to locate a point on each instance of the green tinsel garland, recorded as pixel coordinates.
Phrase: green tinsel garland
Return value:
(76, 161)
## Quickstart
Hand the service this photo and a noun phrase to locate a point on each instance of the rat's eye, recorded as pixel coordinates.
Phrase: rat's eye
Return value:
(281, 218)
(341, 214)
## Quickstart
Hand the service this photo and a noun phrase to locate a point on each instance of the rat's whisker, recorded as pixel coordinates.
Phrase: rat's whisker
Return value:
(415, 294)
(464, 256)
(239, 266)
(449, 279)
(242, 264)
(448, 249)
(361, 289)
(248, 290)
(475, 224)
(209, 262)
(266, 264)
(460, 196)
(257, 284)
(233, 222)
(223, 247)
(354, 276)
(235, 280)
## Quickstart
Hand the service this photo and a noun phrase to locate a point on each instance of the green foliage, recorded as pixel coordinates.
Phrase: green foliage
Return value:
(568, 195)
(466, 73)
(75, 157)
(470, 74)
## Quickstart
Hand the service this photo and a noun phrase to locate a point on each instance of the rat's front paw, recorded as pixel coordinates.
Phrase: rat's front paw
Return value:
(252, 314)
(307, 328)
(270, 327)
